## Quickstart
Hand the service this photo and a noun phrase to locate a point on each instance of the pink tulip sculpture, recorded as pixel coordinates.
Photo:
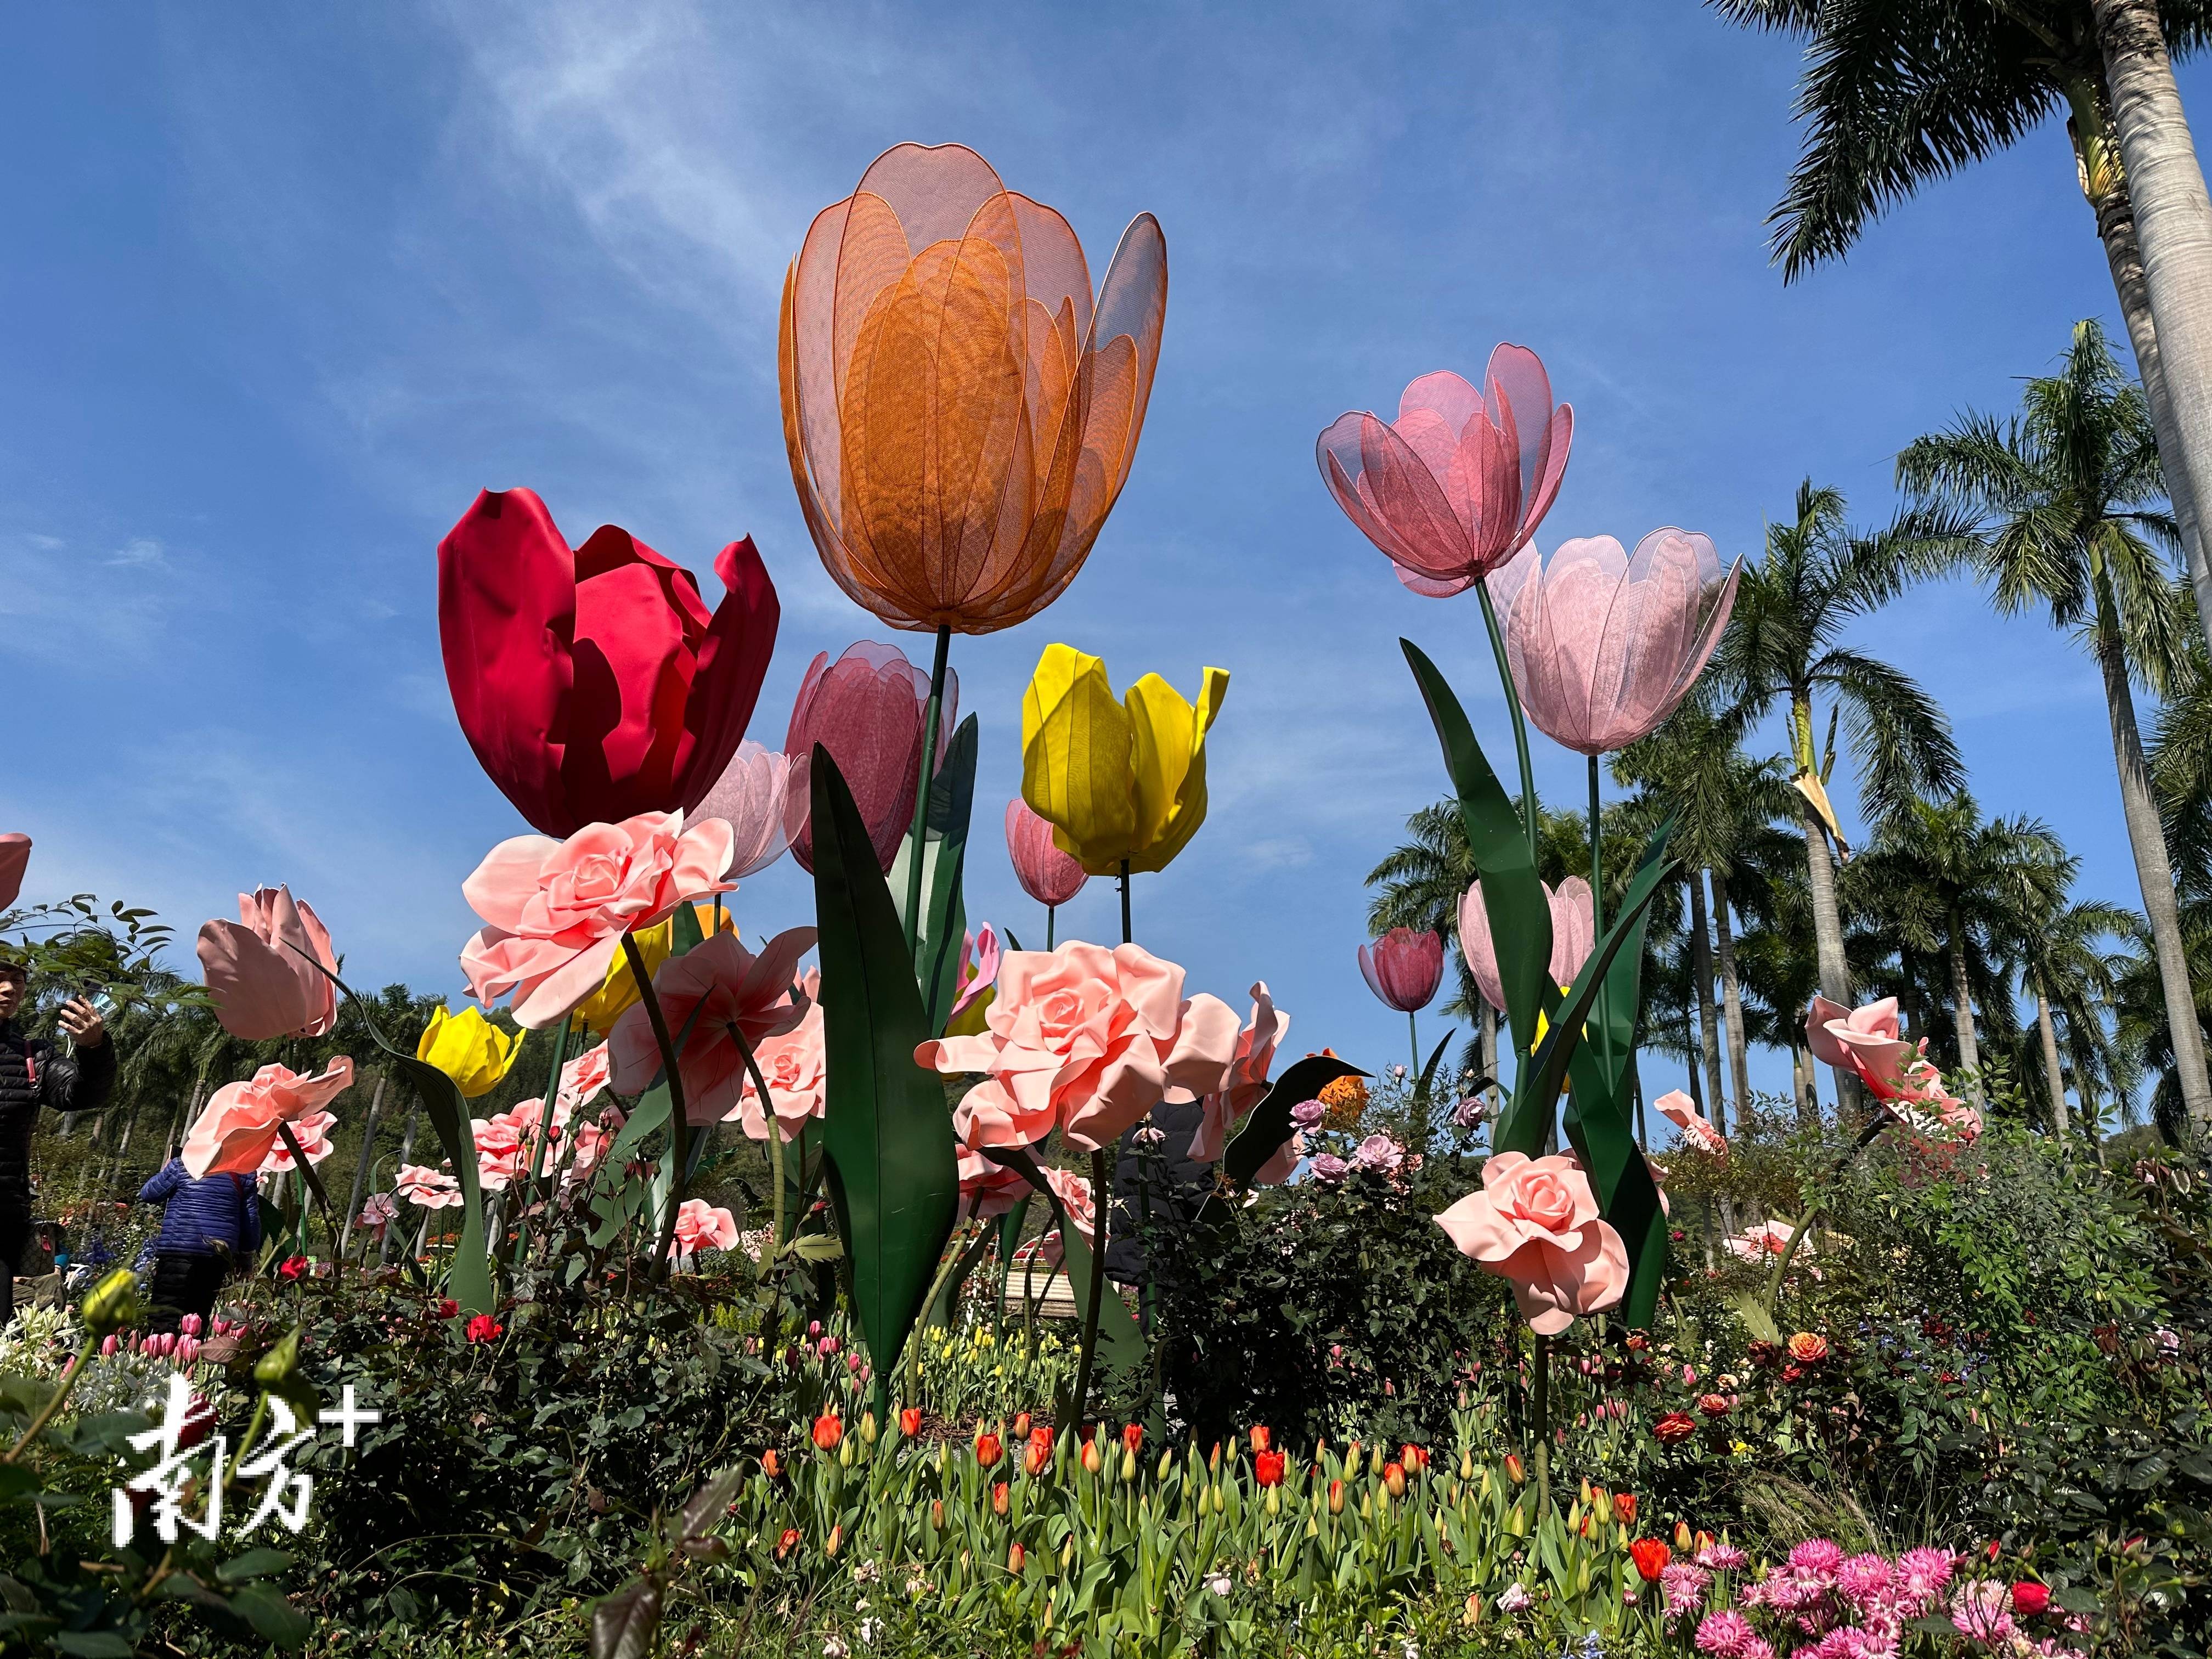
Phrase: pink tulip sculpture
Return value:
(868, 709)
(1457, 485)
(1403, 968)
(15, 859)
(1604, 645)
(762, 797)
(1047, 874)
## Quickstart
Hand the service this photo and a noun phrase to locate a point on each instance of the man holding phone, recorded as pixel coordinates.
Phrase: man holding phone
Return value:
(33, 1073)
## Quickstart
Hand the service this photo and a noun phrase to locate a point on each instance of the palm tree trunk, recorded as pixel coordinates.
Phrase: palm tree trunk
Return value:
(1732, 995)
(1828, 944)
(2173, 228)
(1803, 1088)
(2104, 182)
(2154, 873)
(2054, 1079)
(1962, 1011)
(1701, 970)
(1690, 1061)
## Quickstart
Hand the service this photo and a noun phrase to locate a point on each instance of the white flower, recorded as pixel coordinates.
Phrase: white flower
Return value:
(866, 1573)
(1218, 1583)
(833, 1649)
(871, 1629)
(1515, 1598)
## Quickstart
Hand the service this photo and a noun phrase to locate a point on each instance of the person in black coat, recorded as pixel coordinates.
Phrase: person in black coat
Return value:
(33, 1073)
(209, 1224)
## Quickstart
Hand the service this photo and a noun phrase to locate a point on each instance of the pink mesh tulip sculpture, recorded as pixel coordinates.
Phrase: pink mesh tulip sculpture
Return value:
(1456, 485)
(1573, 937)
(868, 709)
(1403, 968)
(15, 859)
(762, 797)
(1603, 646)
(1534, 1221)
(1047, 874)
(262, 969)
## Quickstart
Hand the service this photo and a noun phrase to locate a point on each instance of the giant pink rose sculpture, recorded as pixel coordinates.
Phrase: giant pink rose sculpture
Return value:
(1866, 1041)
(261, 970)
(1247, 1085)
(793, 1065)
(1087, 1040)
(555, 911)
(987, 1188)
(1534, 1221)
(703, 1226)
(1679, 1109)
(1456, 485)
(233, 1134)
(1574, 936)
(1604, 645)
(720, 991)
(427, 1189)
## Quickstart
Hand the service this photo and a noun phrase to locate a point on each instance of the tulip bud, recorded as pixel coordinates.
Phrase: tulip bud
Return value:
(1515, 1471)
(1022, 1427)
(936, 1515)
(1261, 1440)
(1587, 1498)
(192, 1325)
(1092, 1460)
(1000, 1500)
(1683, 1541)
(1516, 1523)
(1274, 1500)
(845, 1456)
(1394, 1479)
(1336, 1497)
(1068, 1552)
(1466, 1466)
(1366, 1505)
(1129, 1465)
(1375, 1462)
(107, 1345)
(1015, 1556)
(281, 1364)
(910, 1421)
(1167, 1462)
(868, 1427)
(1471, 1616)
(837, 1537)
(112, 1304)
(1213, 1463)
(771, 1464)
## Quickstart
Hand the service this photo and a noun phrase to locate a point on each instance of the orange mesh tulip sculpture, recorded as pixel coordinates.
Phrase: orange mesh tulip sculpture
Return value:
(960, 411)
(1122, 780)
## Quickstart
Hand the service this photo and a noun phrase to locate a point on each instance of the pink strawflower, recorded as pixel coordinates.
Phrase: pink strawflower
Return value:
(1923, 1574)
(1724, 1634)
(1983, 1611)
(1722, 1557)
(1818, 1558)
(1683, 1586)
(1861, 1578)
(1757, 1648)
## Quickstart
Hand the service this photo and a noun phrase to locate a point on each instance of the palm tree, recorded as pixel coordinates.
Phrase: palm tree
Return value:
(1899, 93)
(2181, 768)
(1694, 766)
(2058, 508)
(1781, 645)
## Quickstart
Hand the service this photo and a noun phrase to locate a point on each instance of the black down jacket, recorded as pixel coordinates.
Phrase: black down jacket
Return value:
(33, 1073)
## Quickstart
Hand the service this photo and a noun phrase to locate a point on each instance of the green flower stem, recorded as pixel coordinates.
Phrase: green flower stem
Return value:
(1543, 1423)
(1413, 1030)
(1520, 724)
(954, 1255)
(1101, 1201)
(1881, 1120)
(62, 1392)
(1597, 902)
(771, 1252)
(932, 720)
(680, 1129)
(1126, 937)
(537, 1142)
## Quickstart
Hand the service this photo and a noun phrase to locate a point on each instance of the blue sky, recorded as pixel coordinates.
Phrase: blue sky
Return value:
(286, 285)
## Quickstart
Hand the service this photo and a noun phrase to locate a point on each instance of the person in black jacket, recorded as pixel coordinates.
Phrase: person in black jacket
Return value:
(34, 1073)
(207, 1226)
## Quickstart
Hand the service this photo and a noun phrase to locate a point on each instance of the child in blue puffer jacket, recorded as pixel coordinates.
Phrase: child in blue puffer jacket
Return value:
(208, 1224)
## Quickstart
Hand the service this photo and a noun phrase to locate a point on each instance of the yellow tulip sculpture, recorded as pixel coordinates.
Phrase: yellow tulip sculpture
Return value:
(1121, 781)
(619, 993)
(468, 1049)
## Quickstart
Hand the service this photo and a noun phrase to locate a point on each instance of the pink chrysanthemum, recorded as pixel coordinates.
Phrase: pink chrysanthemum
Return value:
(1724, 1634)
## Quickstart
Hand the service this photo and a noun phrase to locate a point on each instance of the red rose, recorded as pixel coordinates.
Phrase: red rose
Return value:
(484, 1328)
(1267, 1468)
(2030, 1598)
(448, 1308)
(1674, 1428)
(292, 1266)
(1713, 1405)
(1652, 1556)
(1793, 1372)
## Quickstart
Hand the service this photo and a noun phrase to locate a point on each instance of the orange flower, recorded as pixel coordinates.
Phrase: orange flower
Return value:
(1000, 1498)
(1022, 1427)
(988, 1451)
(959, 415)
(1652, 1556)
(1394, 1479)
(789, 1542)
(1713, 1405)
(1624, 1508)
(1674, 1428)
(771, 1464)
(1808, 1347)
(1336, 1497)
(1267, 1468)
(910, 1421)
(1015, 1556)
(1132, 1437)
(1261, 1440)
(1413, 1457)
(1514, 1470)
(1093, 1460)
(1038, 1457)
(828, 1430)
